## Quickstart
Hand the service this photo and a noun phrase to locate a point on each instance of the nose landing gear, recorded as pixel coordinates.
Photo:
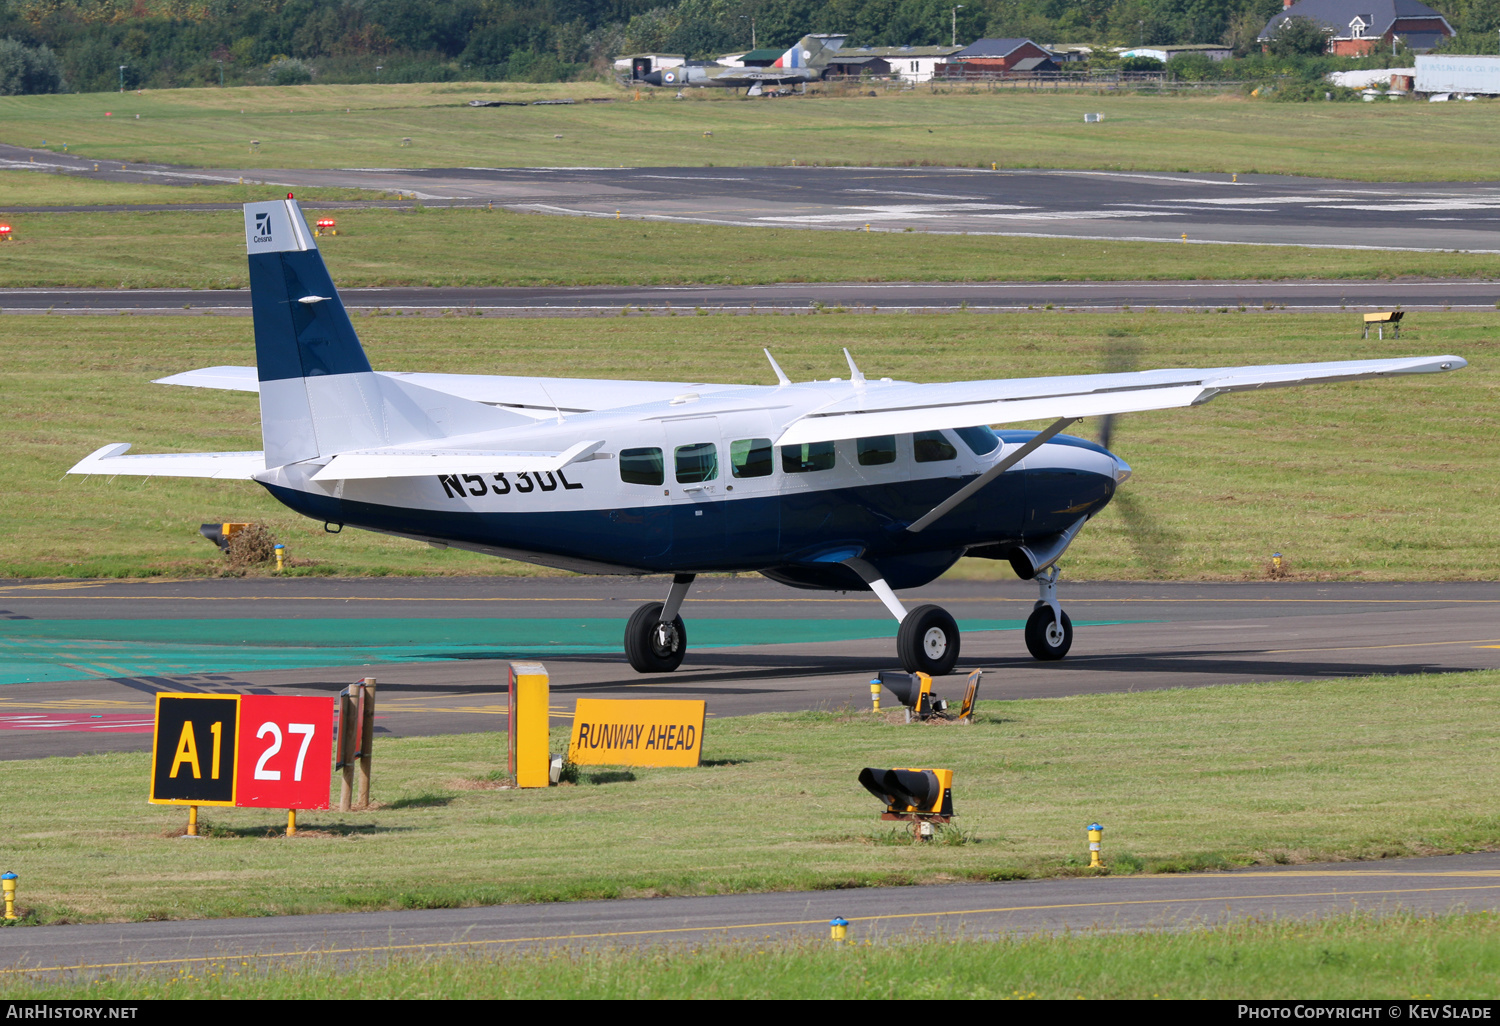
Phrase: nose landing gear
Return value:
(1049, 632)
(655, 638)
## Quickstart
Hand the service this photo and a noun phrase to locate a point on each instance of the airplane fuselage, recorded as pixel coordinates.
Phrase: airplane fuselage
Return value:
(694, 485)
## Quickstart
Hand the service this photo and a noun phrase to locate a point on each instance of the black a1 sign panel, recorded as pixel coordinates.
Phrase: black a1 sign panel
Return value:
(193, 752)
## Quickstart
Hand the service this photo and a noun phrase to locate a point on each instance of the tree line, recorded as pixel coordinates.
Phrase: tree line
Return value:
(83, 45)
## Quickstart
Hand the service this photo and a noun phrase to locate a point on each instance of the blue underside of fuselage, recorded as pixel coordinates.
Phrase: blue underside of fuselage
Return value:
(802, 535)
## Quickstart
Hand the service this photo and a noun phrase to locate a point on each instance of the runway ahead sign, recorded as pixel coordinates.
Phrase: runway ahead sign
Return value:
(261, 751)
(639, 732)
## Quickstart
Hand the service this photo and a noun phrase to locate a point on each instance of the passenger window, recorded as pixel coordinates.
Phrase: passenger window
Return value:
(875, 451)
(697, 462)
(641, 466)
(981, 439)
(932, 447)
(750, 457)
(800, 459)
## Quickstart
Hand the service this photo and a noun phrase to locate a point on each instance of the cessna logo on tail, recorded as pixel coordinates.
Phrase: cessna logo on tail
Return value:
(263, 226)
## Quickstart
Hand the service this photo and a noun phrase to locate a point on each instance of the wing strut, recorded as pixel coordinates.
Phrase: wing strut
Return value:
(947, 505)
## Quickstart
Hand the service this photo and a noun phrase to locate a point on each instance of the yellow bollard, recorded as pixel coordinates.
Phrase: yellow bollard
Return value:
(192, 821)
(291, 822)
(617, 215)
(838, 929)
(1276, 560)
(96, 167)
(1184, 237)
(280, 557)
(1096, 837)
(994, 166)
(1236, 176)
(8, 881)
(875, 695)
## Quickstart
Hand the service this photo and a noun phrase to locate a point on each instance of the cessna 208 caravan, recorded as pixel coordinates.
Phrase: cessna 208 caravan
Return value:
(844, 484)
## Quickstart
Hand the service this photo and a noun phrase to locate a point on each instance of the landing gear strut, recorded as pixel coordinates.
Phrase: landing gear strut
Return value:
(1049, 632)
(928, 639)
(655, 638)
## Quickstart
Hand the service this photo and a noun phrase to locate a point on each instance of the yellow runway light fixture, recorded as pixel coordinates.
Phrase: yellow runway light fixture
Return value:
(838, 929)
(280, 551)
(8, 881)
(914, 691)
(915, 795)
(1096, 841)
(220, 534)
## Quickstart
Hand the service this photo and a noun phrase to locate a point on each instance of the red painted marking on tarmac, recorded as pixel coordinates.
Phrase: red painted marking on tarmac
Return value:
(86, 723)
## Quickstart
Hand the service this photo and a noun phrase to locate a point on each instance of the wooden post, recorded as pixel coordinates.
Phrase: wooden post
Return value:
(366, 737)
(348, 745)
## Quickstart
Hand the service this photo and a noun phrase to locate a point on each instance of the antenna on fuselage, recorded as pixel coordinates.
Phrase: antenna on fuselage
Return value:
(855, 374)
(781, 378)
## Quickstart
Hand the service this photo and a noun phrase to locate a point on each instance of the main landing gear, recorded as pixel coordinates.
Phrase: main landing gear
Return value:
(655, 639)
(1049, 632)
(928, 640)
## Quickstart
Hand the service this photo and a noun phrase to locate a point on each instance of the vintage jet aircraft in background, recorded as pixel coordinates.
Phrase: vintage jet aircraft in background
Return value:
(805, 62)
(844, 484)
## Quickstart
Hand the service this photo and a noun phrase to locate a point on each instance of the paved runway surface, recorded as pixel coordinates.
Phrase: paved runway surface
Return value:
(857, 297)
(84, 658)
(1427, 885)
(1152, 206)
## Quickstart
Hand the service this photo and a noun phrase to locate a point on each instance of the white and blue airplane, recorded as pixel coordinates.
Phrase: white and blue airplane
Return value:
(844, 484)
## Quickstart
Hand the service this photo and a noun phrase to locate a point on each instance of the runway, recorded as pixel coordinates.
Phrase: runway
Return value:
(879, 914)
(1260, 210)
(81, 660)
(803, 298)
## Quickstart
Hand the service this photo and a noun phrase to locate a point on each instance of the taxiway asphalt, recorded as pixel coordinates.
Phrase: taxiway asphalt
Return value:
(802, 298)
(880, 914)
(1262, 210)
(1142, 636)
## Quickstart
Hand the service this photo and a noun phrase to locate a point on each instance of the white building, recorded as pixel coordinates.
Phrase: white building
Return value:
(908, 63)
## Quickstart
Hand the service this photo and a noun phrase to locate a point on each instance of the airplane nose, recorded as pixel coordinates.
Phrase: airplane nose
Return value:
(1122, 469)
(653, 78)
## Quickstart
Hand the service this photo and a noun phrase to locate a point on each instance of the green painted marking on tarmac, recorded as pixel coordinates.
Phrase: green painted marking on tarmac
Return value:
(45, 650)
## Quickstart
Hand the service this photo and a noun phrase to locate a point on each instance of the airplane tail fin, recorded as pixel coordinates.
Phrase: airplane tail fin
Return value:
(810, 52)
(318, 395)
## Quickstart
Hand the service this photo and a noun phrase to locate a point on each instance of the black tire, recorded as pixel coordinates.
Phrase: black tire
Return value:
(1042, 641)
(653, 646)
(928, 641)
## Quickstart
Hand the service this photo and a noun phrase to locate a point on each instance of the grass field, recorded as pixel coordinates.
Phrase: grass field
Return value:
(1380, 480)
(203, 249)
(1368, 958)
(344, 126)
(1182, 780)
(30, 188)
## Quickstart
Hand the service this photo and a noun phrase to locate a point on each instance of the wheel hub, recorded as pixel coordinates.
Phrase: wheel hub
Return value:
(935, 643)
(1054, 634)
(664, 639)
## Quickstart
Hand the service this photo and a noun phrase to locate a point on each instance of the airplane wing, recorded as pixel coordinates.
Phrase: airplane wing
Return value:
(111, 459)
(903, 407)
(534, 396)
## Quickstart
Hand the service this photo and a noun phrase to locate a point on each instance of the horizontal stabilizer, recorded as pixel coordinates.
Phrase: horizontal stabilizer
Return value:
(408, 462)
(235, 379)
(111, 459)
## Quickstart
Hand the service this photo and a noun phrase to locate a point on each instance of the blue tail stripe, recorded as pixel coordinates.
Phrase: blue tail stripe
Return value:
(295, 339)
